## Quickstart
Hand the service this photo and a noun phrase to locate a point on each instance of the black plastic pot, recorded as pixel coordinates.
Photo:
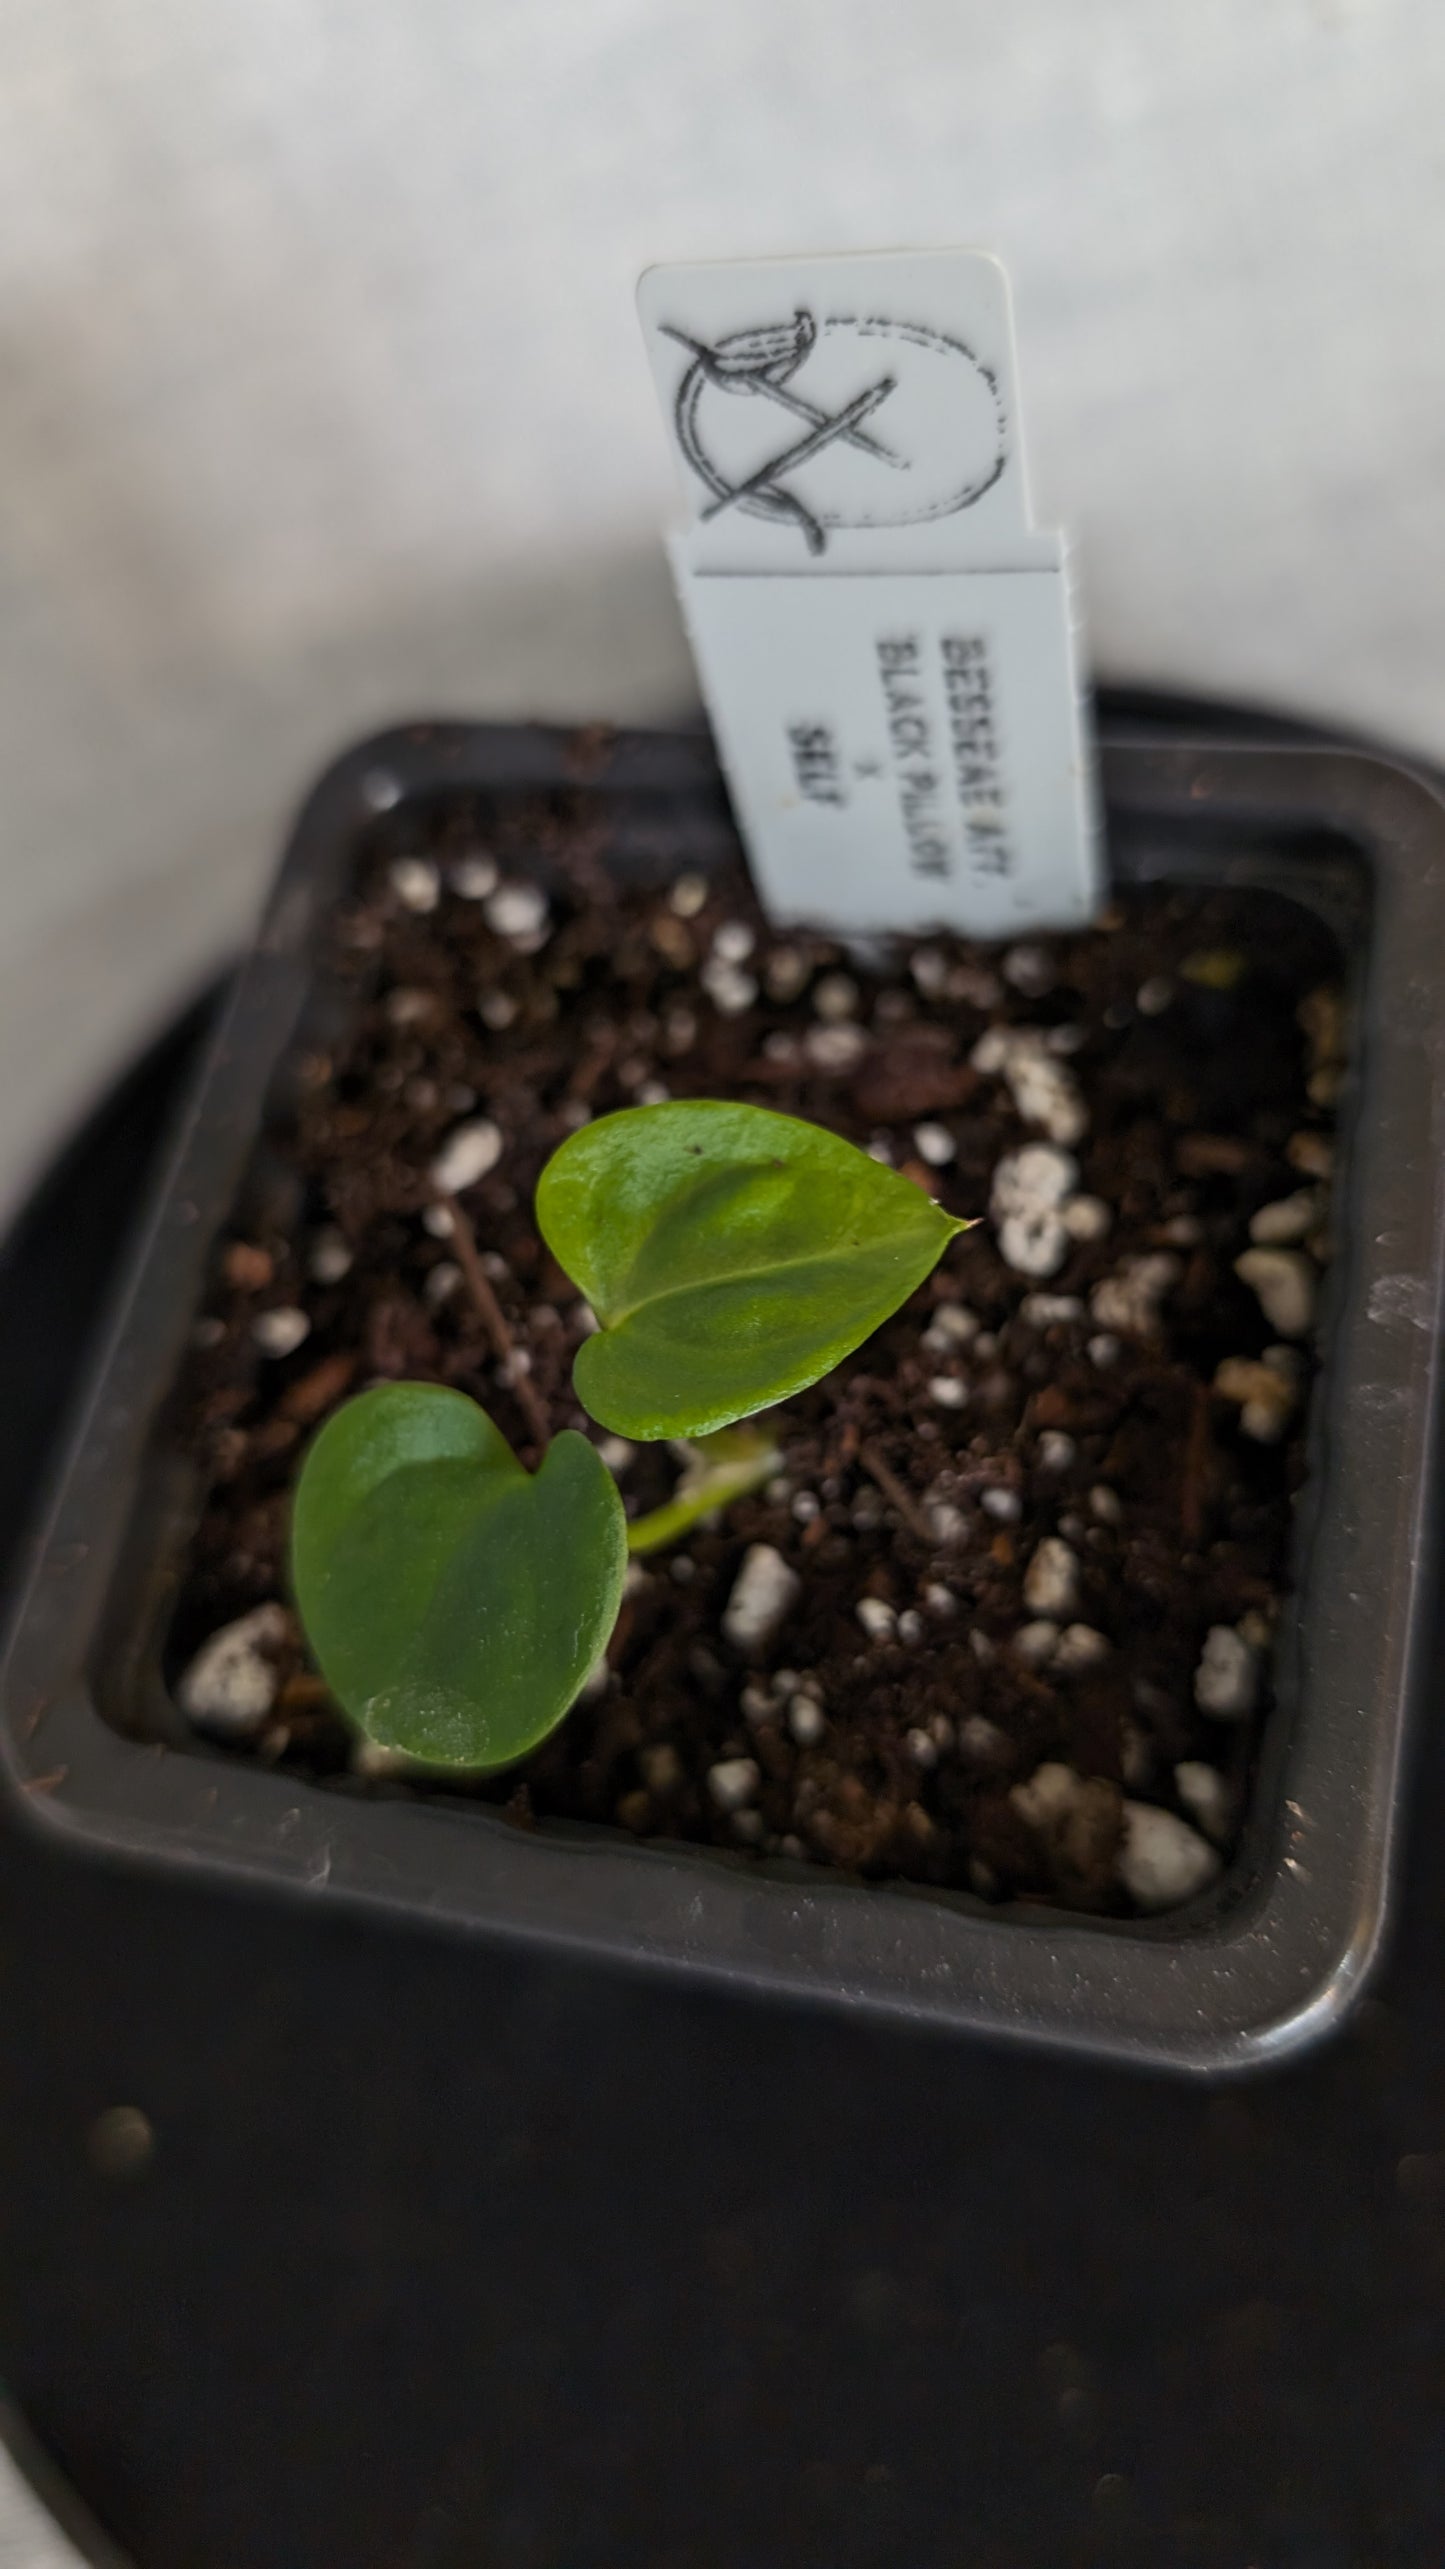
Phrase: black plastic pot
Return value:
(1271, 1957)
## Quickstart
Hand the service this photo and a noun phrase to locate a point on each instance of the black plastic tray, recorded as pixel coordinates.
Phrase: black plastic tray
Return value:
(1273, 1956)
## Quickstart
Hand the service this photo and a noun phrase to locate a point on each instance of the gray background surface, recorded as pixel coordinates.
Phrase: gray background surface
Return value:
(322, 399)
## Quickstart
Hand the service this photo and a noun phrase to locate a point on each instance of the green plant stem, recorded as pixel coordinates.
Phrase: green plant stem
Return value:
(719, 1469)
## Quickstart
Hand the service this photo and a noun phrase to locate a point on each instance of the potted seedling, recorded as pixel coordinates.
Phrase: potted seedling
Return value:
(457, 1603)
(645, 1429)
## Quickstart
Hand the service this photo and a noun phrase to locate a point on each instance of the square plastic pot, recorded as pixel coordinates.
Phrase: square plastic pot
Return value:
(1280, 1947)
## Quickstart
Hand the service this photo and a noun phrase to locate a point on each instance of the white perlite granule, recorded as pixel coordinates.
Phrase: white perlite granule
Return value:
(468, 1154)
(232, 1682)
(763, 1591)
(1226, 1681)
(1044, 1090)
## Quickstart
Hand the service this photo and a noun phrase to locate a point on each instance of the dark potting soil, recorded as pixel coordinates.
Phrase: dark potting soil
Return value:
(932, 1658)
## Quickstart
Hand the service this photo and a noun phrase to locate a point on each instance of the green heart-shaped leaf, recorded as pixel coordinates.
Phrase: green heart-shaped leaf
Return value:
(732, 1256)
(454, 1601)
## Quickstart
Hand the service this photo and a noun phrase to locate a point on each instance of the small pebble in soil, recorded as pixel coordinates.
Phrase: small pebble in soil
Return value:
(1051, 1581)
(688, 895)
(921, 1747)
(948, 1391)
(938, 1599)
(731, 990)
(617, 1453)
(1163, 1861)
(234, 1679)
(733, 942)
(416, 883)
(835, 998)
(877, 1618)
(733, 1782)
(281, 1331)
(1106, 1504)
(1104, 1350)
(1206, 1797)
(1086, 1217)
(1049, 1310)
(207, 1332)
(377, 1764)
(1313, 1154)
(1047, 1793)
(1080, 1646)
(881, 1150)
(929, 970)
(1029, 969)
(409, 1007)
(329, 1258)
(1057, 1451)
(1036, 1642)
(1290, 1219)
(1030, 1188)
(518, 912)
(469, 1153)
(1129, 1301)
(983, 1741)
(806, 1720)
(952, 1325)
(1154, 995)
(1003, 1505)
(683, 1569)
(1266, 1389)
(441, 1282)
(496, 1010)
(911, 1626)
(948, 1522)
(806, 1506)
(1044, 1090)
(1283, 1283)
(835, 1048)
(473, 878)
(763, 1593)
(1226, 1681)
(935, 1145)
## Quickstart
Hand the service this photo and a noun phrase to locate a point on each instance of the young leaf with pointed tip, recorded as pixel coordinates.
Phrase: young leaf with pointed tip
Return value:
(455, 1602)
(732, 1256)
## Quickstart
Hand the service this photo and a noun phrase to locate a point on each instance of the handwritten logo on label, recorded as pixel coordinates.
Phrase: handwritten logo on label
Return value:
(840, 422)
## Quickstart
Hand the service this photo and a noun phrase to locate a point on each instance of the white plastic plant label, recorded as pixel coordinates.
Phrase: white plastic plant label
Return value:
(883, 638)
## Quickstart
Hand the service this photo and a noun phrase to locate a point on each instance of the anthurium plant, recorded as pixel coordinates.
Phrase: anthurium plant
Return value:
(455, 1601)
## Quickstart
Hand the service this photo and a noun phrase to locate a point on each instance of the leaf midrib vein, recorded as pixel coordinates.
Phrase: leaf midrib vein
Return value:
(738, 1275)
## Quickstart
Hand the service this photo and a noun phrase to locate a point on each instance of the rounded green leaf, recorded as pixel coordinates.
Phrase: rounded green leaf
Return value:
(732, 1256)
(454, 1601)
